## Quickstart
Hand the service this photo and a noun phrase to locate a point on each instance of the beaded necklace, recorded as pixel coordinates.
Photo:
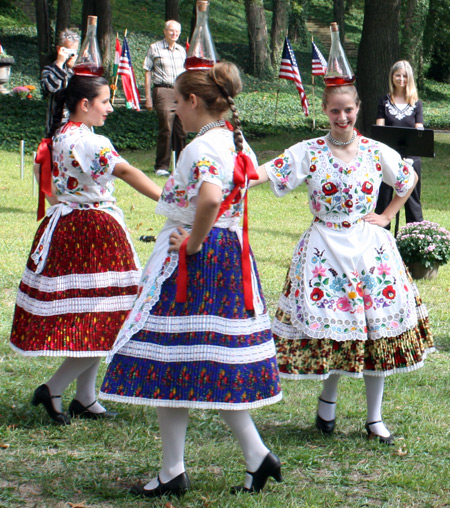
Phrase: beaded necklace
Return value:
(209, 126)
(341, 143)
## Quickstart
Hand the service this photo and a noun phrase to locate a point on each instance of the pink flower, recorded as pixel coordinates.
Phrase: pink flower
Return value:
(384, 269)
(343, 304)
(319, 270)
(368, 302)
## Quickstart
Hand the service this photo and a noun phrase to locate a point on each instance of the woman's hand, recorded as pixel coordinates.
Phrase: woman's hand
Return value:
(177, 238)
(377, 219)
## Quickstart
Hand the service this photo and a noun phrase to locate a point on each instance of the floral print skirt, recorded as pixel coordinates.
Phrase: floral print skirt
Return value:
(77, 304)
(209, 352)
(311, 358)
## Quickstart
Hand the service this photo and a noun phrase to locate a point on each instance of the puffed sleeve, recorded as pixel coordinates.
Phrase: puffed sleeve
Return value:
(97, 157)
(288, 170)
(396, 172)
(381, 111)
(419, 112)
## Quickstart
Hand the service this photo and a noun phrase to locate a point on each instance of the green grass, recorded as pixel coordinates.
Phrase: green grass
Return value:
(93, 463)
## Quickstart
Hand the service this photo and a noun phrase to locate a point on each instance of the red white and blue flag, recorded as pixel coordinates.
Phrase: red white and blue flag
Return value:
(129, 86)
(319, 64)
(289, 70)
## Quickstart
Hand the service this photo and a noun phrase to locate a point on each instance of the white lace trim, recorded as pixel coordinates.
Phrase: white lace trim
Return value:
(359, 375)
(200, 353)
(194, 404)
(80, 281)
(189, 324)
(74, 305)
(59, 353)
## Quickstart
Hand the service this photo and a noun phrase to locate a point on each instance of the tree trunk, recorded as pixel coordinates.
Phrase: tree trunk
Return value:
(63, 15)
(101, 9)
(280, 18)
(414, 13)
(172, 10)
(379, 31)
(338, 14)
(257, 38)
(437, 41)
(44, 33)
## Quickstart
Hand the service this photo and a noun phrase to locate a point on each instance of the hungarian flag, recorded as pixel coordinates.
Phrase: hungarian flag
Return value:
(289, 70)
(129, 86)
(117, 53)
(319, 64)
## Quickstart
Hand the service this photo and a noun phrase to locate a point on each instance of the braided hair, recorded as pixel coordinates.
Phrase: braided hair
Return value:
(217, 87)
(78, 88)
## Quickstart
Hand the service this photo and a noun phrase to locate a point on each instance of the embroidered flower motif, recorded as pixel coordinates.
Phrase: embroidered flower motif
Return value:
(316, 294)
(103, 161)
(367, 188)
(312, 168)
(72, 183)
(389, 292)
(368, 302)
(329, 188)
(278, 163)
(75, 163)
(384, 269)
(343, 304)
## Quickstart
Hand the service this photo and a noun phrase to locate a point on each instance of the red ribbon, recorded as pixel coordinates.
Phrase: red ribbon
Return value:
(44, 159)
(244, 171)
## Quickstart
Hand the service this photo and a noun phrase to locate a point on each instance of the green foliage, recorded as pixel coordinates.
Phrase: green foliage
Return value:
(11, 15)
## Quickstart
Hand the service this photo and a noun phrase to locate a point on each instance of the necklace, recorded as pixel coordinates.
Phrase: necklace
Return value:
(209, 126)
(341, 143)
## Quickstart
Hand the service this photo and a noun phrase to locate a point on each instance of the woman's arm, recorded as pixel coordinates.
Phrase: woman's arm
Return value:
(208, 204)
(262, 177)
(394, 206)
(381, 121)
(138, 180)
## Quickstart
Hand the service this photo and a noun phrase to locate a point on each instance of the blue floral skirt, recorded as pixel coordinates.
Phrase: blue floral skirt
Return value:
(209, 352)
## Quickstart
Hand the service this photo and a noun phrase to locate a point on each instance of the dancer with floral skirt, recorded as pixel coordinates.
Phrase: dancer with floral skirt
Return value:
(199, 334)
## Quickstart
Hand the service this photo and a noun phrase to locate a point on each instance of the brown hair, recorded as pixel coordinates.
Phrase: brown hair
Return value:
(335, 90)
(217, 87)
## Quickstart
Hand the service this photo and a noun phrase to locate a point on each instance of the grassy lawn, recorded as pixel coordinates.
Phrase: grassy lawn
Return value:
(91, 464)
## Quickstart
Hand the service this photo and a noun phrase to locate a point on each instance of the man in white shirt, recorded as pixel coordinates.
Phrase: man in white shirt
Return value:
(163, 63)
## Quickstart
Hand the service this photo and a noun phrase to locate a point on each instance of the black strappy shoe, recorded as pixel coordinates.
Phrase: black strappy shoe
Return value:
(325, 426)
(178, 486)
(76, 409)
(42, 396)
(389, 440)
(254, 482)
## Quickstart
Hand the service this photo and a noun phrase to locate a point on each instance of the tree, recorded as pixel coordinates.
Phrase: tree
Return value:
(101, 9)
(378, 50)
(63, 15)
(257, 38)
(437, 41)
(338, 15)
(297, 21)
(172, 10)
(280, 18)
(44, 33)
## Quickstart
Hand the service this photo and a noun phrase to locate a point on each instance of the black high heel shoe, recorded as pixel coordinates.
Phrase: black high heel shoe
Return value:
(254, 482)
(325, 426)
(77, 409)
(178, 486)
(42, 396)
(389, 440)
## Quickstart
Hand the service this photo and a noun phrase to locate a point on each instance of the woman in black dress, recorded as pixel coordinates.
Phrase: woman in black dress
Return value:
(401, 107)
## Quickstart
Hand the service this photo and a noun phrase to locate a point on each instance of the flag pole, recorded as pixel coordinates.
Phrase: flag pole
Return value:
(313, 96)
(116, 79)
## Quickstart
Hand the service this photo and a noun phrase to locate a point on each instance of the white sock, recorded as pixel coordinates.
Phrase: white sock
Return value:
(172, 427)
(67, 372)
(86, 391)
(329, 394)
(242, 426)
(374, 396)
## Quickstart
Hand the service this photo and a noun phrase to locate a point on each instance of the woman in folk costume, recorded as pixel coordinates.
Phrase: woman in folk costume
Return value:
(348, 306)
(82, 275)
(199, 333)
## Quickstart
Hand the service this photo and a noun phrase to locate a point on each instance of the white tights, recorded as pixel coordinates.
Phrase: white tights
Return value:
(173, 424)
(374, 398)
(84, 370)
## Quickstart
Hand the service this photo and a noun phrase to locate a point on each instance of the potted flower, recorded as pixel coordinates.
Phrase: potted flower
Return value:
(26, 92)
(424, 246)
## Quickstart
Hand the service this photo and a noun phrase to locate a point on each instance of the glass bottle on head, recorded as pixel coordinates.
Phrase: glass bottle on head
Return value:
(339, 71)
(89, 61)
(202, 53)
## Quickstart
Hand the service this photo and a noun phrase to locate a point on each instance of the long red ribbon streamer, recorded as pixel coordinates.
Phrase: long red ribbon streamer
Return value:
(44, 159)
(244, 171)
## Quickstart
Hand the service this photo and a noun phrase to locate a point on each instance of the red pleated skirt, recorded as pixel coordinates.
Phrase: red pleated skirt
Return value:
(77, 304)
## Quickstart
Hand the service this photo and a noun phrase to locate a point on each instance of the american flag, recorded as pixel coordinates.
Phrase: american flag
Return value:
(128, 80)
(319, 64)
(289, 70)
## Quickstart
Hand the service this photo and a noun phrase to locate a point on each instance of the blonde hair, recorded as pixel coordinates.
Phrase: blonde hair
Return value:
(217, 87)
(411, 91)
(339, 90)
